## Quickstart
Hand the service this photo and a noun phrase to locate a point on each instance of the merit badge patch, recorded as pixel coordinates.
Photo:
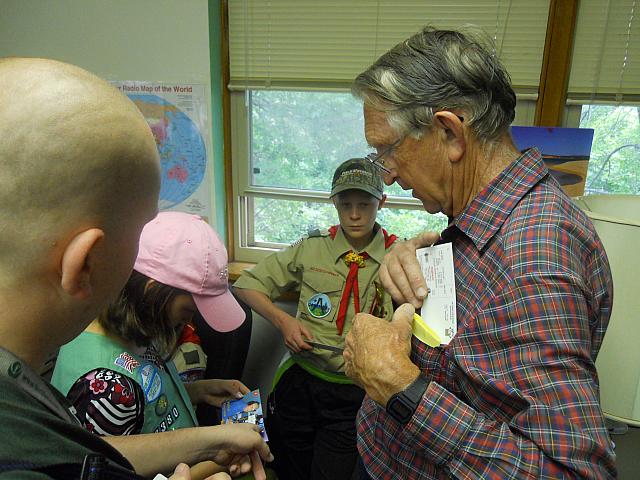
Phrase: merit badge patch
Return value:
(151, 382)
(319, 305)
(161, 405)
(127, 362)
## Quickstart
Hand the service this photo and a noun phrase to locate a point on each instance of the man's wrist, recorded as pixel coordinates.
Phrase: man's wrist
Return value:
(402, 378)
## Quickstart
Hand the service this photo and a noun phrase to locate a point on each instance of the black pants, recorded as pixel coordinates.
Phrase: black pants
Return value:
(311, 427)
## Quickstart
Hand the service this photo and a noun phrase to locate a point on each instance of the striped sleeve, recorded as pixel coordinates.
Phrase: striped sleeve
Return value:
(108, 403)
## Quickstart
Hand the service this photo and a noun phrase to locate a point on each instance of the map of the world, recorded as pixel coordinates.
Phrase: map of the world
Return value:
(182, 150)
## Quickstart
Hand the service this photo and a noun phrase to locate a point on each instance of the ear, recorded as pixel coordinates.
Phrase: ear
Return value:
(453, 129)
(382, 200)
(76, 264)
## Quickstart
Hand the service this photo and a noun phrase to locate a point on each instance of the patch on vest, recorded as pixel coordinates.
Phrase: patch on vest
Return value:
(151, 382)
(161, 405)
(168, 421)
(319, 305)
(127, 362)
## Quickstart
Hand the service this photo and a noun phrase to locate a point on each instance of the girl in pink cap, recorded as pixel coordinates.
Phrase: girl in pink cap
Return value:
(117, 373)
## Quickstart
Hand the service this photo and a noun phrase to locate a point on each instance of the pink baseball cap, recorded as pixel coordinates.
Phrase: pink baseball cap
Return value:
(183, 251)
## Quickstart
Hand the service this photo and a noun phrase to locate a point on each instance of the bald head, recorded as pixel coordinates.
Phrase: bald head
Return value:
(74, 153)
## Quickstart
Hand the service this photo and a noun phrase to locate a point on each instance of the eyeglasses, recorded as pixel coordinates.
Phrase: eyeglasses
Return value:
(377, 159)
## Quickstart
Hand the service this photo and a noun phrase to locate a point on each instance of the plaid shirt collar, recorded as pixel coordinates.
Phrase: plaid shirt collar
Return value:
(486, 213)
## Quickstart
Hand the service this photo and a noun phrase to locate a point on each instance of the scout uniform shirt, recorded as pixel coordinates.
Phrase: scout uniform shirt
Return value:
(315, 267)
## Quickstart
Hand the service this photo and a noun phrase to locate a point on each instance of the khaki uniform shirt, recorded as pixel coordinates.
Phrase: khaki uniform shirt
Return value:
(314, 266)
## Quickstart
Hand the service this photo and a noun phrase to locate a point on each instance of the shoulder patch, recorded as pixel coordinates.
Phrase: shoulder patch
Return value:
(316, 233)
(127, 362)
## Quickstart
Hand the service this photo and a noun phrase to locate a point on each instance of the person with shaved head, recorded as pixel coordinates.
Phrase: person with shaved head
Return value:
(79, 178)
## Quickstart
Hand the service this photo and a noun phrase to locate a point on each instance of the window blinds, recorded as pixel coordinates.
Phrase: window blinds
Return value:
(606, 52)
(310, 44)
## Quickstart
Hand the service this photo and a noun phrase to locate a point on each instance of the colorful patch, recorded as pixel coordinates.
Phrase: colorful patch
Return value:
(161, 405)
(151, 382)
(127, 362)
(319, 305)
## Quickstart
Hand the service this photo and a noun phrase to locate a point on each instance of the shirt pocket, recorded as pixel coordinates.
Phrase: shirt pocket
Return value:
(320, 297)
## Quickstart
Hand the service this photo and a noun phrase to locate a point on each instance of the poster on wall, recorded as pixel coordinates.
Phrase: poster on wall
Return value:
(178, 116)
(566, 151)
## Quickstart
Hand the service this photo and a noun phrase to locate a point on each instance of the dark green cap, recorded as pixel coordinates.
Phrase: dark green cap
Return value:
(358, 174)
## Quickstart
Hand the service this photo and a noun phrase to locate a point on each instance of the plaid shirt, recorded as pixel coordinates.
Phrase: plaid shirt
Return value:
(515, 394)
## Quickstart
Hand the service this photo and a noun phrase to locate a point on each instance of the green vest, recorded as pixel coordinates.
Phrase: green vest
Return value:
(167, 405)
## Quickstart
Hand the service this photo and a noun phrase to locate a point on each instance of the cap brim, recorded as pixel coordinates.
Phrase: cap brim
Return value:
(342, 188)
(221, 312)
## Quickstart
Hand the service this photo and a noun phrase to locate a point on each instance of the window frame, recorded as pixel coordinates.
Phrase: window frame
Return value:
(245, 247)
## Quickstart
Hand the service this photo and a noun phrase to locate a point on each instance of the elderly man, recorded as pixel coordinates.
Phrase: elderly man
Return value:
(515, 393)
(79, 178)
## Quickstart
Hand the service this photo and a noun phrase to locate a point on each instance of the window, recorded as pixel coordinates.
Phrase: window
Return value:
(295, 141)
(614, 166)
(604, 86)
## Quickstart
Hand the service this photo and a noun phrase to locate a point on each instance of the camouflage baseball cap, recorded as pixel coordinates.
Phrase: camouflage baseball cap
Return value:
(359, 174)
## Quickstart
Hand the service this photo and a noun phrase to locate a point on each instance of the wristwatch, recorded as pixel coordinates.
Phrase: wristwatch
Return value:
(402, 405)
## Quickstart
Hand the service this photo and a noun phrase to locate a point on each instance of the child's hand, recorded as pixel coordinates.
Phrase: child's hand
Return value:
(240, 447)
(215, 391)
(294, 334)
(182, 472)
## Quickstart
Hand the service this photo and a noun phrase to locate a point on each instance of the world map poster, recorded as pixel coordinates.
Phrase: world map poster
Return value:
(178, 116)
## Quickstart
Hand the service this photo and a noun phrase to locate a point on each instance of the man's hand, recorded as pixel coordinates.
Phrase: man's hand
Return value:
(215, 391)
(240, 447)
(400, 272)
(294, 333)
(376, 353)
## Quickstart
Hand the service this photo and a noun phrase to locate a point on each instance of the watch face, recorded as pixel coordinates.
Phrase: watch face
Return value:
(402, 405)
(399, 410)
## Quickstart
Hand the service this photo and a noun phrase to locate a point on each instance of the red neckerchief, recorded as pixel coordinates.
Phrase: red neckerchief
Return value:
(355, 262)
(189, 335)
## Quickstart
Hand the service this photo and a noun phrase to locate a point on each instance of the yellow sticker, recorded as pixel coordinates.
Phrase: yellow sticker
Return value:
(424, 332)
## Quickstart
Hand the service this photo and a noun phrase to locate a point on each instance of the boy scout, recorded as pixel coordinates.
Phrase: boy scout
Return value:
(311, 420)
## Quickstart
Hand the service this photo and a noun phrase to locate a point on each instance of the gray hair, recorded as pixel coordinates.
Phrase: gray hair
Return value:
(441, 70)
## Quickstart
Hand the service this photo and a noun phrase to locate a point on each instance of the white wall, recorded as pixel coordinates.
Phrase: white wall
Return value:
(149, 40)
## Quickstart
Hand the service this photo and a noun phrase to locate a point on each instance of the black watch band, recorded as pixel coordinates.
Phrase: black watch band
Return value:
(402, 405)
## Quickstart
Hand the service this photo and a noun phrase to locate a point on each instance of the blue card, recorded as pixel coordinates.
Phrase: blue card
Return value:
(247, 409)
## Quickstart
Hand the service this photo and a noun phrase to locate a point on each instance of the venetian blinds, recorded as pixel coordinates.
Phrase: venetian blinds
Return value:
(309, 44)
(606, 52)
